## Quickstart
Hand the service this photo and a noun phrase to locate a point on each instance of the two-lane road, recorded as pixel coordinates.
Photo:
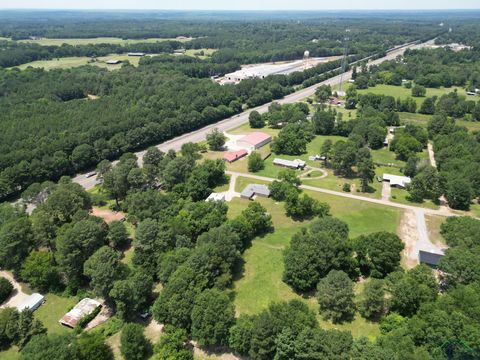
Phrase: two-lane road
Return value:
(237, 120)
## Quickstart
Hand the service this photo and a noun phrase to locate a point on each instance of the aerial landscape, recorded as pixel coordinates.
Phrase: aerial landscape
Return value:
(264, 180)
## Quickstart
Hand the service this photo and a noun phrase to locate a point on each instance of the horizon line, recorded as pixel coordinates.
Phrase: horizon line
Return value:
(233, 10)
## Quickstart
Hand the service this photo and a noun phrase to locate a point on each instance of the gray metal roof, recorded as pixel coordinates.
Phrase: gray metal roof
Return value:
(429, 258)
(255, 189)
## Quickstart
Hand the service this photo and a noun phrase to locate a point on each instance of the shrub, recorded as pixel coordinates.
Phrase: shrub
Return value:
(6, 289)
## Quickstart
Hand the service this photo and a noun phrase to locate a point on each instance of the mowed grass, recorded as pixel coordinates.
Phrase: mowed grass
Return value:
(402, 92)
(71, 62)
(261, 280)
(53, 310)
(422, 120)
(433, 226)
(401, 196)
(10, 354)
(197, 53)
(99, 40)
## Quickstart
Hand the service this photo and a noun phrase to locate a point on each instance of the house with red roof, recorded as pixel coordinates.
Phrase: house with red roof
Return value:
(231, 156)
(254, 140)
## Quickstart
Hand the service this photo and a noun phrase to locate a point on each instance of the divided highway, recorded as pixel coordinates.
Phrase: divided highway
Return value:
(237, 120)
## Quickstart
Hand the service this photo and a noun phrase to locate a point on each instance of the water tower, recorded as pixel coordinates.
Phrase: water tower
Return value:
(306, 59)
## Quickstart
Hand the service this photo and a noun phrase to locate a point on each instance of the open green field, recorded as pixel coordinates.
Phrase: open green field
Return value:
(99, 40)
(261, 281)
(422, 120)
(53, 310)
(400, 196)
(197, 53)
(70, 62)
(402, 92)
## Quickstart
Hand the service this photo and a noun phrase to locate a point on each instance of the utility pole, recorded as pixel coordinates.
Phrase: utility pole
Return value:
(343, 65)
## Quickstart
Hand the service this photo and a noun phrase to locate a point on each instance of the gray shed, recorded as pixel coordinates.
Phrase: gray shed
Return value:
(429, 258)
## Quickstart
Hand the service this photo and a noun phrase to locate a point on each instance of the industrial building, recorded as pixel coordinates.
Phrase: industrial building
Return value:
(254, 140)
(252, 190)
(260, 71)
(396, 180)
(291, 164)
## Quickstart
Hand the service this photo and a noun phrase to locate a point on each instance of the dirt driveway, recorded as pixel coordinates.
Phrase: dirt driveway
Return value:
(18, 296)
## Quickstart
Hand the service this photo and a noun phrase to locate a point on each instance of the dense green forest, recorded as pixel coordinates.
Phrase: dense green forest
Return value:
(49, 129)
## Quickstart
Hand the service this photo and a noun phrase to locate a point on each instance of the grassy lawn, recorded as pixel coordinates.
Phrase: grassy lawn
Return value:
(246, 129)
(433, 227)
(242, 182)
(206, 53)
(10, 354)
(402, 92)
(400, 196)
(261, 281)
(99, 40)
(422, 120)
(53, 310)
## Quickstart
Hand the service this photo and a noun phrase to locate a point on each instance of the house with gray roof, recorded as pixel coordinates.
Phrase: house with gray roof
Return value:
(252, 190)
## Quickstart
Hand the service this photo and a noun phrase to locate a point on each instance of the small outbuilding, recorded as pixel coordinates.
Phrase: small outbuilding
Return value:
(216, 197)
(83, 308)
(231, 156)
(32, 302)
(254, 140)
(430, 258)
(291, 164)
(113, 62)
(136, 54)
(397, 181)
(252, 190)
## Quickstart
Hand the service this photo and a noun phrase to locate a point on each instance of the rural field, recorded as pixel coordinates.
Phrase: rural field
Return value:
(76, 61)
(261, 281)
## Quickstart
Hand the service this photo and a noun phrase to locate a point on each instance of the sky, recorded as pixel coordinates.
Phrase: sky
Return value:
(240, 5)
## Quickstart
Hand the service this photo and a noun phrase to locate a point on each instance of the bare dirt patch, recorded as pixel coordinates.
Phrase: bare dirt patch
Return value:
(407, 230)
(108, 215)
(18, 296)
(204, 353)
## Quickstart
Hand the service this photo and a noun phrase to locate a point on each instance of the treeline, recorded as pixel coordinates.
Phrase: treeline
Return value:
(14, 53)
(430, 68)
(50, 129)
(243, 41)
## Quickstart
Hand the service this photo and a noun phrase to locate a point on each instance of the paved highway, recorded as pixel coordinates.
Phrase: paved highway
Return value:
(237, 120)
